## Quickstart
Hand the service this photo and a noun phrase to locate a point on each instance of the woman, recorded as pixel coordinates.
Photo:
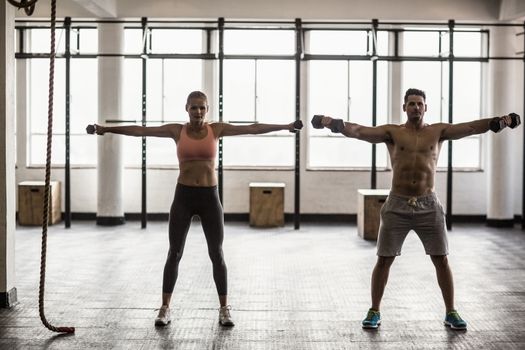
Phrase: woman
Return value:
(196, 192)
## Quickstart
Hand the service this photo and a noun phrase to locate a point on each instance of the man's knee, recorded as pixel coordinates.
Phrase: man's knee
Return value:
(384, 262)
(439, 261)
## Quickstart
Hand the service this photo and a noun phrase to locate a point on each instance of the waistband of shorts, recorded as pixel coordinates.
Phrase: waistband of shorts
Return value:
(428, 196)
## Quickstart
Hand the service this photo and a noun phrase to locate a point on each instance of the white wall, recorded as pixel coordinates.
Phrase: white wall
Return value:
(289, 9)
(322, 192)
(7, 118)
(512, 9)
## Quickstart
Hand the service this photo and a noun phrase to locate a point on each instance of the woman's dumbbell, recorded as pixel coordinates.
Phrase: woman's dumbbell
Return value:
(91, 129)
(297, 125)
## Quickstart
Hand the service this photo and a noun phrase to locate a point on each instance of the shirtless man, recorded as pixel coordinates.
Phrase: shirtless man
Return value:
(412, 203)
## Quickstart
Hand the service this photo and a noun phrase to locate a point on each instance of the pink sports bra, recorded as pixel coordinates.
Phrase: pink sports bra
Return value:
(196, 149)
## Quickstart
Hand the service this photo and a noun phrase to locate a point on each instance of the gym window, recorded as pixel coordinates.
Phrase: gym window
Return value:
(340, 85)
(83, 96)
(259, 87)
(168, 82)
(343, 89)
(167, 86)
(467, 85)
(261, 42)
(83, 109)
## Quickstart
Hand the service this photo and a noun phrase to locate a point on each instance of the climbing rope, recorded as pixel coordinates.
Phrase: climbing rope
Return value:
(29, 7)
(45, 214)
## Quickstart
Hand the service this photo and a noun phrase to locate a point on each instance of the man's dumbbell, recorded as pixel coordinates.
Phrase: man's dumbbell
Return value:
(336, 125)
(317, 121)
(498, 123)
(516, 120)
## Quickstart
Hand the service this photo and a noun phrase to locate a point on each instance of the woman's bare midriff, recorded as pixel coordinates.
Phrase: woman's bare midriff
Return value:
(198, 173)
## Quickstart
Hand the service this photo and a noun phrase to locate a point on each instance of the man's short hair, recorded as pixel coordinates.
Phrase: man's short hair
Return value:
(416, 92)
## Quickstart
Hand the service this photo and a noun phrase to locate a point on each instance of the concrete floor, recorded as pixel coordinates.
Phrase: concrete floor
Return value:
(306, 289)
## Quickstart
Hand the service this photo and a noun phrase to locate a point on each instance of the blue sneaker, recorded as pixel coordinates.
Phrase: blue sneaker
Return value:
(372, 320)
(454, 321)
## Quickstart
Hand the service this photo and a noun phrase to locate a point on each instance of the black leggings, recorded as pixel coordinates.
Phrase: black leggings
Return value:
(204, 202)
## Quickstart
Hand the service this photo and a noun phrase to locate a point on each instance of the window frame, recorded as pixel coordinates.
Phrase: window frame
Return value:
(211, 53)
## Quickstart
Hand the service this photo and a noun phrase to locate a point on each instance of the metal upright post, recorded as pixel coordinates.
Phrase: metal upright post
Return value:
(67, 166)
(144, 211)
(523, 174)
(221, 103)
(373, 174)
(297, 168)
(450, 120)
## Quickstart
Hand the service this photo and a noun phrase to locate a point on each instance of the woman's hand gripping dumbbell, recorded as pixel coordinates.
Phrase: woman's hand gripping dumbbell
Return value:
(95, 129)
(296, 126)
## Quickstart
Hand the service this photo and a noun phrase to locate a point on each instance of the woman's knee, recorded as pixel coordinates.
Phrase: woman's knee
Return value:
(216, 256)
(174, 257)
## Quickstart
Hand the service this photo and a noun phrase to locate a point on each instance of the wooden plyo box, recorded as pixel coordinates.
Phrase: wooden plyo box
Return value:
(31, 199)
(266, 204)
(369, 203)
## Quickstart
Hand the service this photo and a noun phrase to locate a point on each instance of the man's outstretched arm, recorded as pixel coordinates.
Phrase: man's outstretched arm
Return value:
(370, 134)
(496, 124)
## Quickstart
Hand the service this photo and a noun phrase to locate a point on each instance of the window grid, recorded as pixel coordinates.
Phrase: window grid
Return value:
(83, 47)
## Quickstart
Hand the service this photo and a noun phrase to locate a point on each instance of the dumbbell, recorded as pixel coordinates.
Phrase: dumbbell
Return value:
(297, 126)
(498, 123)
(336, 125)
(515, 120)
(91, 129)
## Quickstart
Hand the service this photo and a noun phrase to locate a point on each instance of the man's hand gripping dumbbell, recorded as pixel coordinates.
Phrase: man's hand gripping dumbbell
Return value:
(511, 120)
(321, 121)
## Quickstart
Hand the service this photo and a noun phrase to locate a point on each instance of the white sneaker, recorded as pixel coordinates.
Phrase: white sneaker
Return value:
(225, 319)
(163, 318)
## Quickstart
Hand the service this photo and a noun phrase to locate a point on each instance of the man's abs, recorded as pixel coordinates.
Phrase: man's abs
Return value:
(413, 179)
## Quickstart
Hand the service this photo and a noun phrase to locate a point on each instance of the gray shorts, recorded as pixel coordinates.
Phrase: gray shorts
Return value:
(425, 215)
